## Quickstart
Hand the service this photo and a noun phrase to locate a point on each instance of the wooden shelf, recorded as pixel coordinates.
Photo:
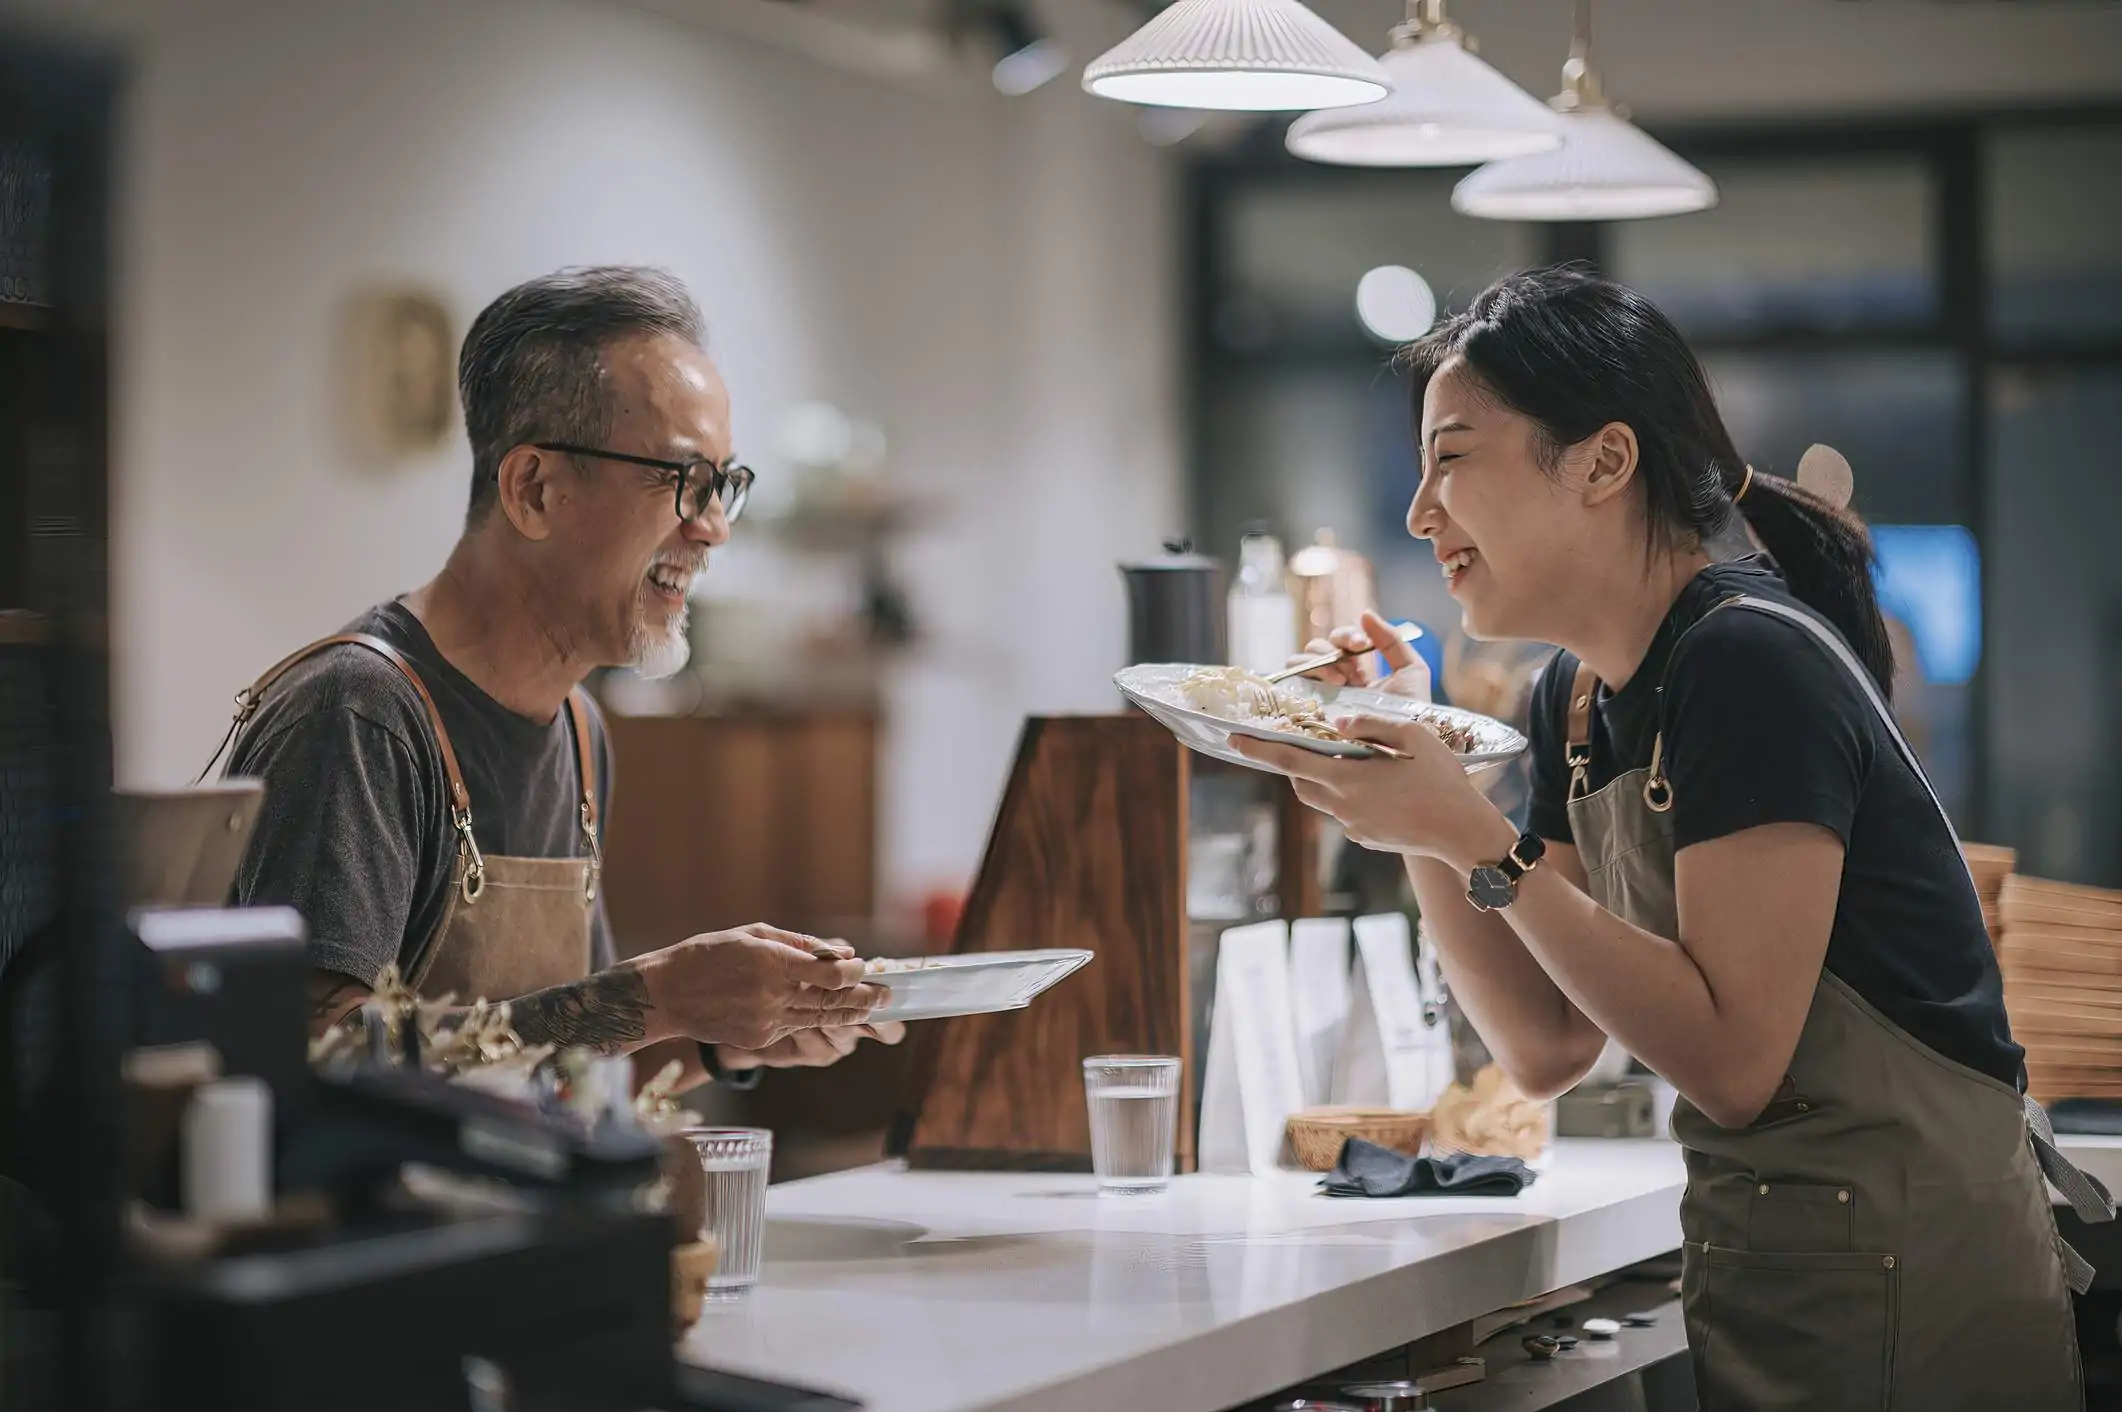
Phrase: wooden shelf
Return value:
(31, 318)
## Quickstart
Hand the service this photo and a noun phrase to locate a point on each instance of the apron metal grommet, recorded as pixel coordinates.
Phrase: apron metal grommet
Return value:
(1888, 1262)
(1764, 1188)
(1843, 1197)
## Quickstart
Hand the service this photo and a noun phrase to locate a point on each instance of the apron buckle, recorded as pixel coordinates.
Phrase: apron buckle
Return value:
(1578, 758)
(596, 853)
(475, 869)
(1657, 789)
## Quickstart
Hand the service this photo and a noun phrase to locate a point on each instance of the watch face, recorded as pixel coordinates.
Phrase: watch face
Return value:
(1491, 888)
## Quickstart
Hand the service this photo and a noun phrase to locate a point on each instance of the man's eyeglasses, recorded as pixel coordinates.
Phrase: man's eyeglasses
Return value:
(698, 482)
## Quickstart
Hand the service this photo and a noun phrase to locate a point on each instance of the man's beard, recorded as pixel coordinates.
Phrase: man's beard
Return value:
(655, 655)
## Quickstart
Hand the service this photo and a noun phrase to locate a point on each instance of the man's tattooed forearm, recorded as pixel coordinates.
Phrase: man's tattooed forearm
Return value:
(606, 1012)
(331, 998)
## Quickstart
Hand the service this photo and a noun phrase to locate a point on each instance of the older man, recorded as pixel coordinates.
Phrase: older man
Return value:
(435, 775)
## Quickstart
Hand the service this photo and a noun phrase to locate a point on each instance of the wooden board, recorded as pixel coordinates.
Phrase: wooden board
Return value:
(2085, 1055)
(2060, 967)
(1089, 850)
(2047, 1081)
(2066, 902)
(2022, 985)
(1990, 857)
(2022, 912)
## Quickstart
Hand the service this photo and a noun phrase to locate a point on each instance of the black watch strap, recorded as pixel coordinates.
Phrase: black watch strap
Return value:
(1528, 850)
(741, 1080)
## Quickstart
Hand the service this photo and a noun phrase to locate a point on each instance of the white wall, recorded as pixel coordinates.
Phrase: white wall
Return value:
(991, 280)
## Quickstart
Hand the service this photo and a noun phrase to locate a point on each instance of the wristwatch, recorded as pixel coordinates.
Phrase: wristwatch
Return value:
(739, 1080)
(1494, 886)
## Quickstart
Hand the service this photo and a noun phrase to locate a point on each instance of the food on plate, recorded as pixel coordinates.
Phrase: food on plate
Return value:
(1234, 694)
(887, 965)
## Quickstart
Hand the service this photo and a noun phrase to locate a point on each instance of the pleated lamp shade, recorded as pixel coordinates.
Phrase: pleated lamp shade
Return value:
(1607, 169)
(1238, 55)
(1447, 108)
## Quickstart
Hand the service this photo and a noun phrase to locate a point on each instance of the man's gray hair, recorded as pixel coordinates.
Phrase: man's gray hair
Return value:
(532, 368)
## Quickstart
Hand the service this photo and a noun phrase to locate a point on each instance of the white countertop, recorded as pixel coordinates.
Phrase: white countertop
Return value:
(951, 1291)
(2095, 1156)
(954, 1291)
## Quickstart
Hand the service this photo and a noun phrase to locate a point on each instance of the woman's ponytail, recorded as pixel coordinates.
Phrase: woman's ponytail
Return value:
(1825, 554)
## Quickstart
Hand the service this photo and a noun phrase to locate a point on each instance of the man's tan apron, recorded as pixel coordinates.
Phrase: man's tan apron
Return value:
(510, 926)
(1880, 1236)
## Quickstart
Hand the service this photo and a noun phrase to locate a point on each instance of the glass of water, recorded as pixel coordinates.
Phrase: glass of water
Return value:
(735, 1161)
(1134, 1113)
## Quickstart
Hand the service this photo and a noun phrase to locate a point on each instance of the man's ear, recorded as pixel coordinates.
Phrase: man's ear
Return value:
(1612, 466)
(526, 489)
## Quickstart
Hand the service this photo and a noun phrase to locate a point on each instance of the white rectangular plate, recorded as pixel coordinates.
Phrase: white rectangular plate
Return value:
(975, 983)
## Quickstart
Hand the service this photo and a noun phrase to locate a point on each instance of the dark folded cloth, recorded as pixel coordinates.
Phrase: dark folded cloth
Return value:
(1366, 1169)
(2089, 1117)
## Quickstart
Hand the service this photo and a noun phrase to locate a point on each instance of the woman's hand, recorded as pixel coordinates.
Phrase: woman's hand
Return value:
(1423, 804)
(1410, 676)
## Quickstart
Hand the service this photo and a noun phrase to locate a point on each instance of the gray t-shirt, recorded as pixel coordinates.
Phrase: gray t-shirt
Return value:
(355, 833)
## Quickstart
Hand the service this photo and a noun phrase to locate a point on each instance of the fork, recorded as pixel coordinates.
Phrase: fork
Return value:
(1408, 633)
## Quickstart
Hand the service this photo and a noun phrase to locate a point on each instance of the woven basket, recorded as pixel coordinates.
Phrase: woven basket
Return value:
(1318, 1133)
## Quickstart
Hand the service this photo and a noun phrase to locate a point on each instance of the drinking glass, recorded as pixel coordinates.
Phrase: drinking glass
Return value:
(735, 1161)
(1134, 1112)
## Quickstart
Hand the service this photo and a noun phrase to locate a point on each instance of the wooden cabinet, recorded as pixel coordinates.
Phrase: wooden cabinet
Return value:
(717, 821)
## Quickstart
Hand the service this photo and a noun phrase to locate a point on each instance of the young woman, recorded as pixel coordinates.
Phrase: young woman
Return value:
(1735, 868)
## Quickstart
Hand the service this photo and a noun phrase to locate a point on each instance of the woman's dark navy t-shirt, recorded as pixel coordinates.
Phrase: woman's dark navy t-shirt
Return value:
(1765, 725)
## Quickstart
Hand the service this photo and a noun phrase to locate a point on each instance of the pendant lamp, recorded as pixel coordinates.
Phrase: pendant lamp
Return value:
(1238, 55)
(1447, 108)
(1607, 168)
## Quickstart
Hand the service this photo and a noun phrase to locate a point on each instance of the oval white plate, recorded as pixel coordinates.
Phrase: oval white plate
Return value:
(1155, 687)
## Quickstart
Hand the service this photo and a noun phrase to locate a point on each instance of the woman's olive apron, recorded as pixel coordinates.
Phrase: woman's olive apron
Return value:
(1880, 1236)
(510, 926)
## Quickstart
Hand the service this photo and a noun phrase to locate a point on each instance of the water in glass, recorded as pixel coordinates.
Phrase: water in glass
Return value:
(1134, 1110)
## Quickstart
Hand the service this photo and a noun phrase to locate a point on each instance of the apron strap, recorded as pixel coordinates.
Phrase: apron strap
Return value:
(2088, 1198)
(1578, 753)
(586, 771)
(2086, 1193)
(460, 799)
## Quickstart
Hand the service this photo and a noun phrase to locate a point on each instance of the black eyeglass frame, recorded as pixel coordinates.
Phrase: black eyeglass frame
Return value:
(731, 484)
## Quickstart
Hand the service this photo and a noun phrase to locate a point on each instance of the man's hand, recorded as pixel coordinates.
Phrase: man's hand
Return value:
(751, 988)
(756, 986)
(810, 1049)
